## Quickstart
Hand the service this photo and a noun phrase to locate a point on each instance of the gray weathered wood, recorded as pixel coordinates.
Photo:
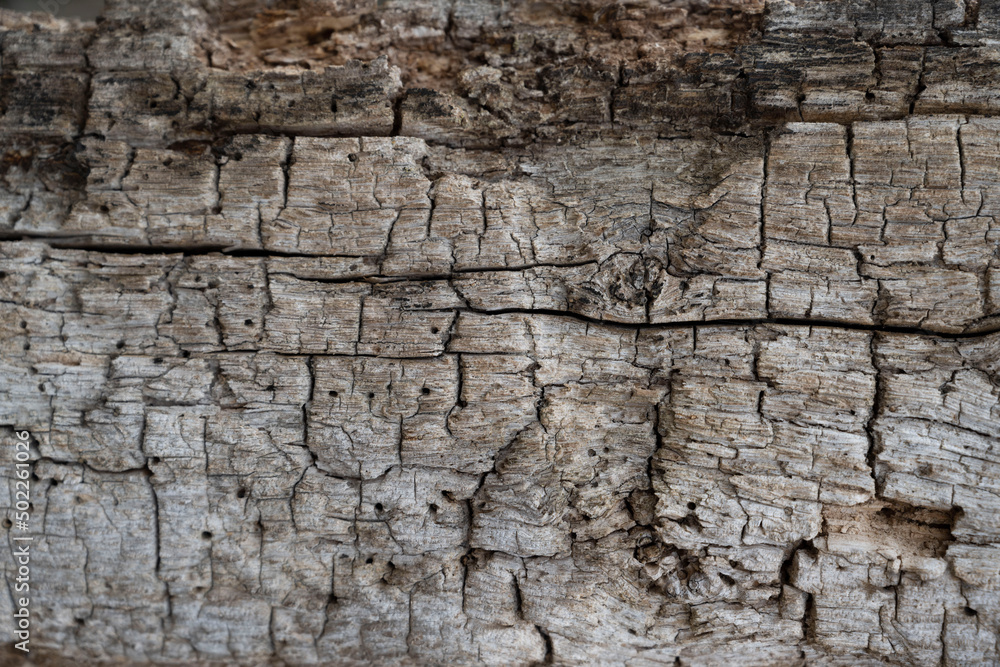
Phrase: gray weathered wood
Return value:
(471, 332)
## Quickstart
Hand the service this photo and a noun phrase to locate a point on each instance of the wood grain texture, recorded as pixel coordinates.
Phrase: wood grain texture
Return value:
(466, 332)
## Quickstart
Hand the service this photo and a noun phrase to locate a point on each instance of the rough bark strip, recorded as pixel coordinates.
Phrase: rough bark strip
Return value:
(505, 333)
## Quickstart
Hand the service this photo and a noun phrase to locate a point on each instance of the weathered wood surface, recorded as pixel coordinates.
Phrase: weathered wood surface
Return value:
(469, 332)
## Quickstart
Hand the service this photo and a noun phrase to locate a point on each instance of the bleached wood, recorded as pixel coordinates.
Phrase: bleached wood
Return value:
(471, 332)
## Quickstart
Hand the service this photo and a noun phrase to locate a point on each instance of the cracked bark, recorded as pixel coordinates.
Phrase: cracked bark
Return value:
(505, 333)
